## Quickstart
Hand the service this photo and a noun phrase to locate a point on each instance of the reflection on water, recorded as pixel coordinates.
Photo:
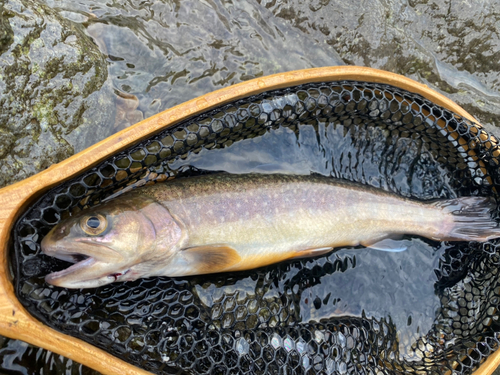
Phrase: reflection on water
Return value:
(395, 286)
(451, 46)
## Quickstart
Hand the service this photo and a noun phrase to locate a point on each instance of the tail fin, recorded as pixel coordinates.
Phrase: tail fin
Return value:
(471, 219)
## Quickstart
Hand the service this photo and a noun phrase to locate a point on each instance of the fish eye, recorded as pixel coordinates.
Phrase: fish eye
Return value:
(93, 224)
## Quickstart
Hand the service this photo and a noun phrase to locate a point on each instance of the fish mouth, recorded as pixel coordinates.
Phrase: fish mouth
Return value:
(93, 265)
(70, 257)
(86, 273)
(52, 278)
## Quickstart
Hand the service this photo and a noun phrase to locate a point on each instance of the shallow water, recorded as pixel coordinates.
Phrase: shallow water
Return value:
(172, 51)
(19, 358)
(271, 302)
(169, 52)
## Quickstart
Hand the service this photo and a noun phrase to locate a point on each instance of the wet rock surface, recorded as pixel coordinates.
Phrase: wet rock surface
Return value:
(53, 91)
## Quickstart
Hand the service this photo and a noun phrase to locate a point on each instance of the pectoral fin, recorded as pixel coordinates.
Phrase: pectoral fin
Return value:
(210, 258)
(387, 244)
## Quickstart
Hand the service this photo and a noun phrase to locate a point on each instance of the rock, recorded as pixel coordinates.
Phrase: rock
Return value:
(54, 97)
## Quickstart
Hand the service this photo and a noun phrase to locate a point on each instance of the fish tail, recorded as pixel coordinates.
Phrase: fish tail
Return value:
(468, 219)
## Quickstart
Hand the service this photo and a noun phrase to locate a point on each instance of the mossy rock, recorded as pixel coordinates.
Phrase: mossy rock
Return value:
(54, 95)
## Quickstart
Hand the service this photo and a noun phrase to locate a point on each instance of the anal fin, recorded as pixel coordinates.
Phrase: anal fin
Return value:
(210, 258)
(392, 244)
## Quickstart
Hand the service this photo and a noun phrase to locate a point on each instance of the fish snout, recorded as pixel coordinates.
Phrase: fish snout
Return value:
(60, 231)
(56, 234)
(53, 244)
(49, 243)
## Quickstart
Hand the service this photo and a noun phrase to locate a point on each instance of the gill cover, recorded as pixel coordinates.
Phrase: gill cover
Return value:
(120, 240)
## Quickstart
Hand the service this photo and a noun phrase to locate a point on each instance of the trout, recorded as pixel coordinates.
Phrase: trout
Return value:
(221, 223)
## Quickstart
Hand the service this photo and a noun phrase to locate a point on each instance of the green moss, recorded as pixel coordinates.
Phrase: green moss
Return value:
(41, 90)
(44, 113)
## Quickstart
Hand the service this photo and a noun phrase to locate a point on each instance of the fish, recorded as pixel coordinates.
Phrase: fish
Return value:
(235, 222)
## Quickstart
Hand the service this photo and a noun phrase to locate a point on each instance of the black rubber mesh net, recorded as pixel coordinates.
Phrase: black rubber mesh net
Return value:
(161, 325)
